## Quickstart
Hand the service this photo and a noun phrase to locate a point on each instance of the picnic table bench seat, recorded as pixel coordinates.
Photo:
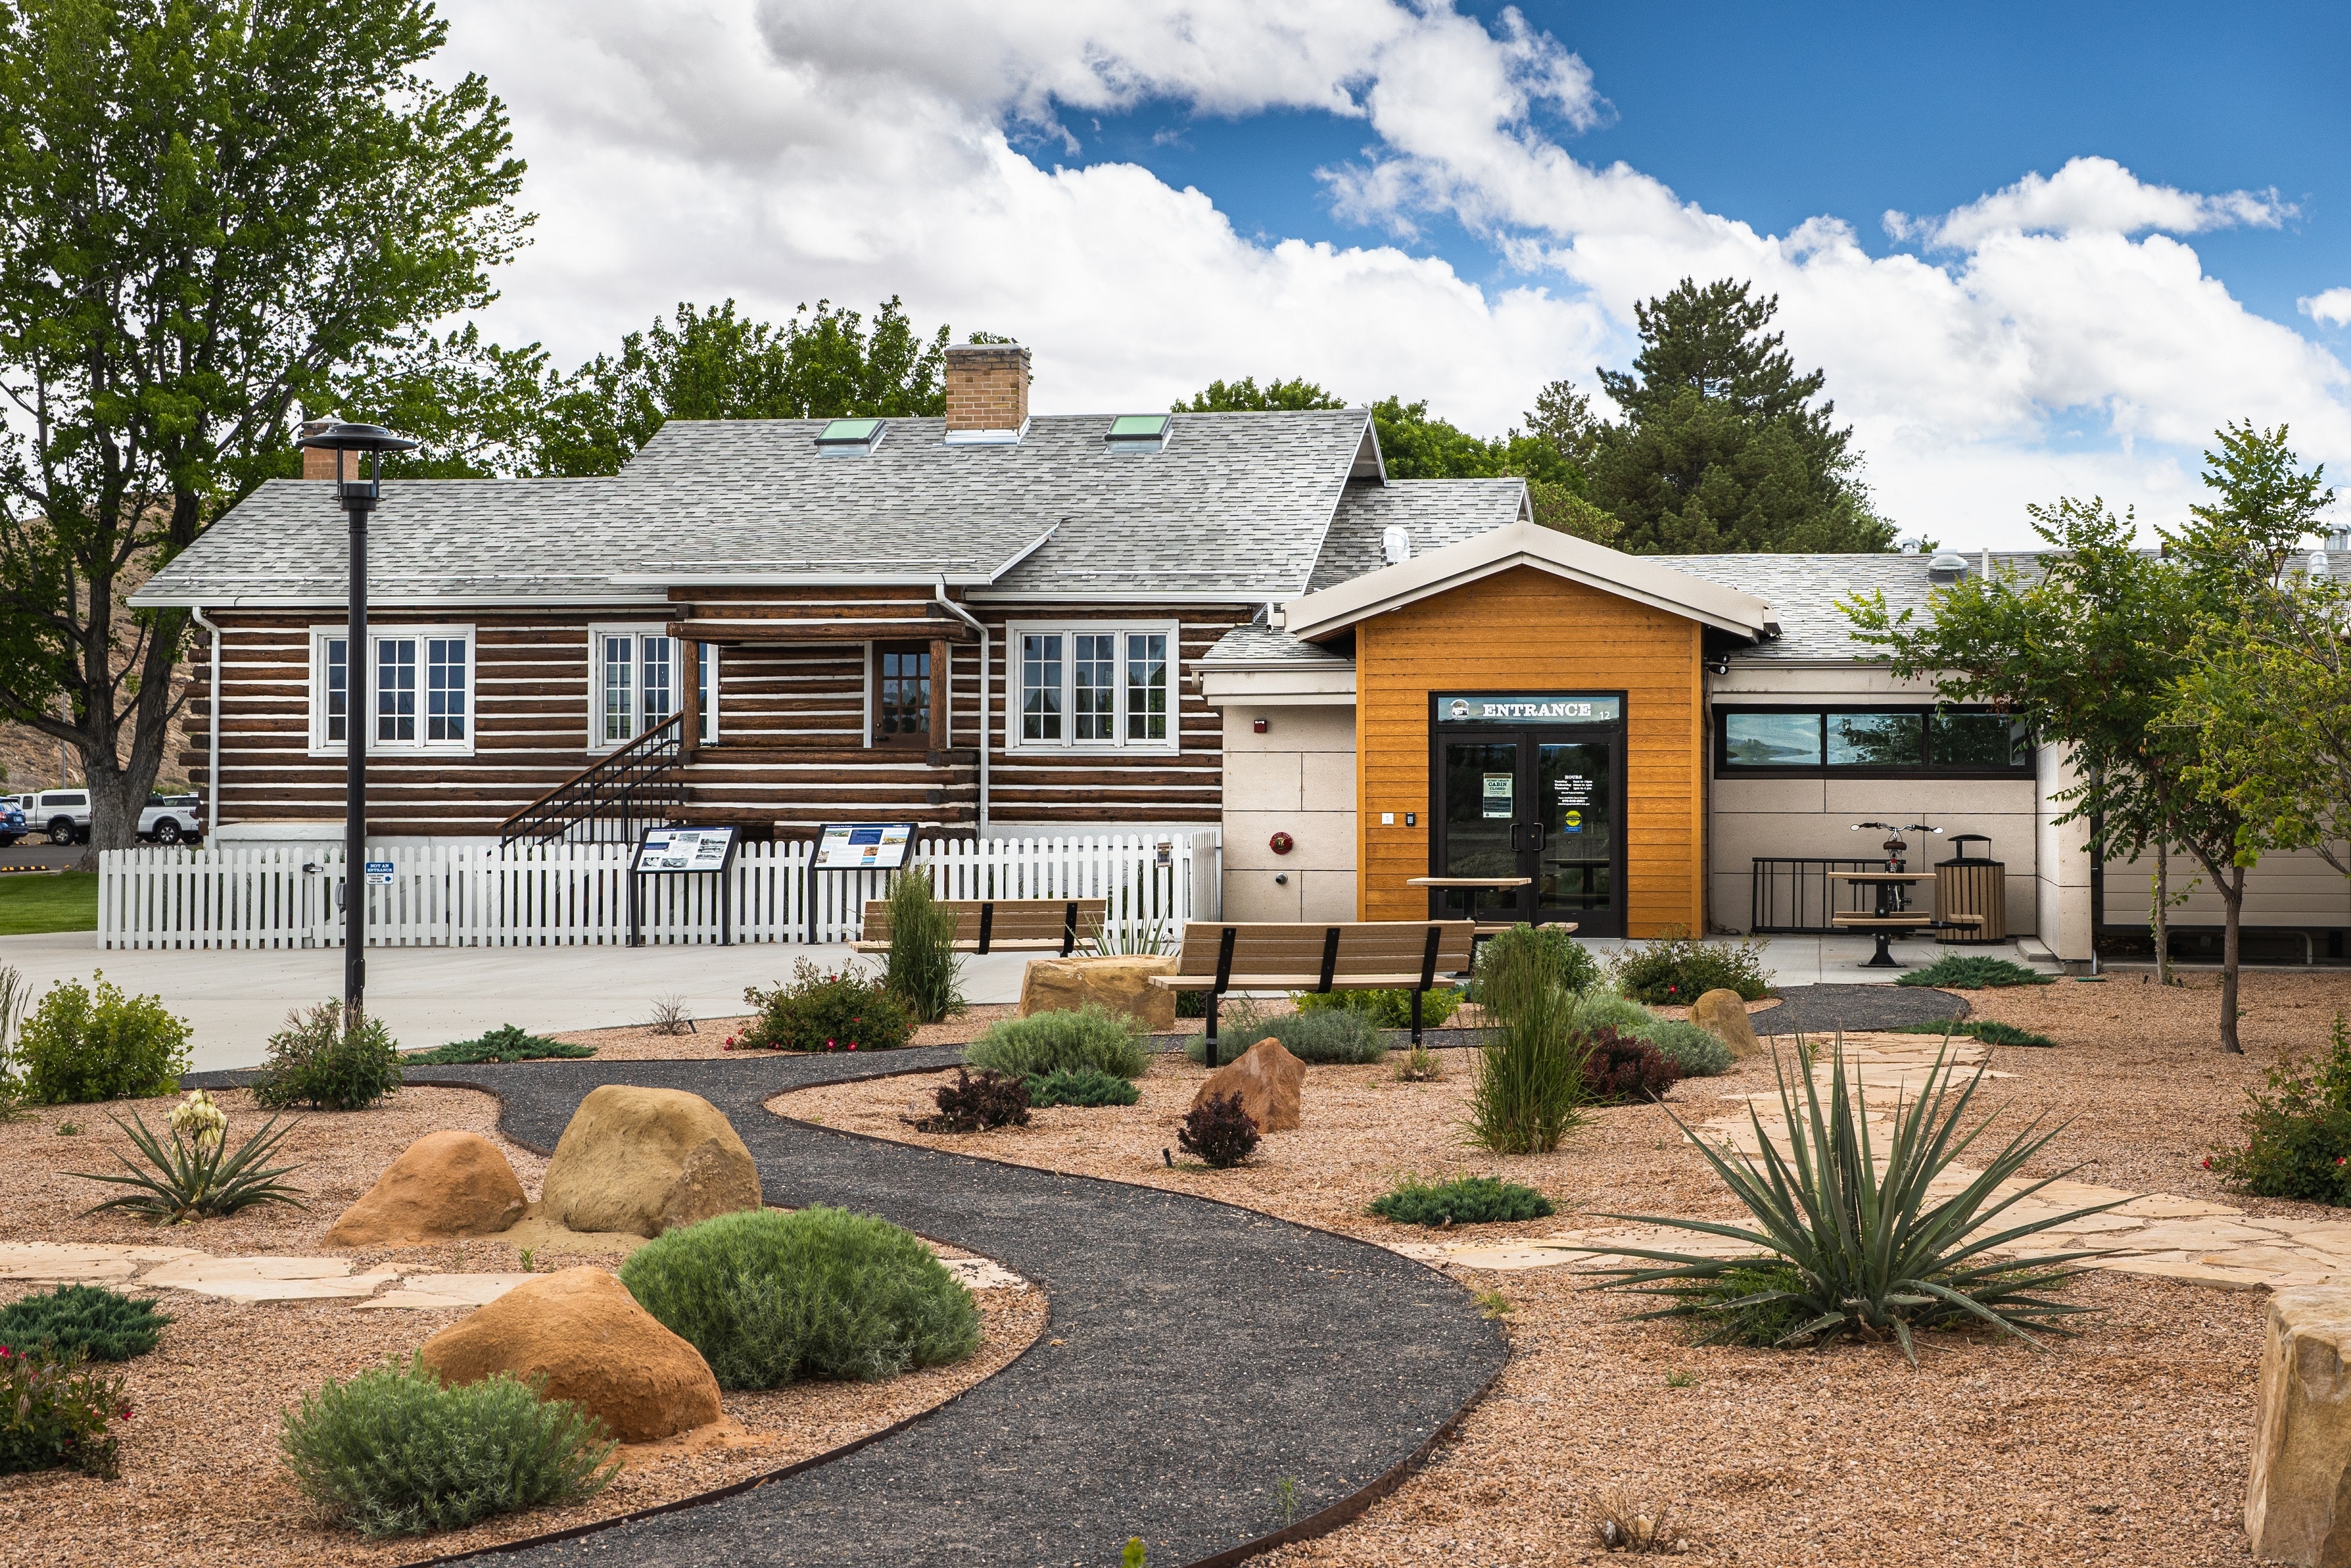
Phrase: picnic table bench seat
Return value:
(1000, 925)
(1217, 956)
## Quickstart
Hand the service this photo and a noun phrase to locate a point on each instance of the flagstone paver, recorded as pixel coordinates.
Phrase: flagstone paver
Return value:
(2190, 1240)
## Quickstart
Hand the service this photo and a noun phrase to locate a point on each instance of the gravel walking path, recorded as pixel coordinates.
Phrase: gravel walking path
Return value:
(1856, 1009)
(1199, 1355)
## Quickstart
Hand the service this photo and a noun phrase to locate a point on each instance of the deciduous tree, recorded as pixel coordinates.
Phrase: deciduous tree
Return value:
(207, 209)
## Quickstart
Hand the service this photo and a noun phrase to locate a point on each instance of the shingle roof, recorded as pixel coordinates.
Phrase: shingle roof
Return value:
(1436, 512)
(1236, 504)
(1264, 645)
(1805, 589)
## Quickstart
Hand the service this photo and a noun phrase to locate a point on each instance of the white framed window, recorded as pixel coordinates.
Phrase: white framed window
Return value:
(1094, 686)
(633, 684)
(420, 689)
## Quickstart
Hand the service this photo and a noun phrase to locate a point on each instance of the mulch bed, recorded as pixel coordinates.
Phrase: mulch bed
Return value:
(202, 1485)
(2128, 1445)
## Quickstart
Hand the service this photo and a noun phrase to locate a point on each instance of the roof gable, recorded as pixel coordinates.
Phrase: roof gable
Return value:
(1642, 579)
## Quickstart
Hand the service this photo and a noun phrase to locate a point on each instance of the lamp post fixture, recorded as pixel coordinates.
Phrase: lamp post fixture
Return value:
(357, 498)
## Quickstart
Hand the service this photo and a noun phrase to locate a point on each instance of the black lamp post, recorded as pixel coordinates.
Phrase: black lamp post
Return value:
(359, 497)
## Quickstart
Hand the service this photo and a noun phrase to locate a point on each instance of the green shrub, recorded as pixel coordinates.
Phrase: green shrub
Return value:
(314, 1061)
(1876, 1245)
(1697, 1053)
(1601, 1008)
(2298, 1133)
(1675, 970)
(1973, 972)
(1327, 1034)
(396, 1452)
(770, 1298)
(1085, 1086)
(83, 1045)
(54, 1411)
(1465, 1200)
(507, 1042)
(923, 967)
(825, 1009)
(1553, 947)
(82, 1320)
(1388, 1010)
(1529, 1090)
(1991, 1031)
(1044, 1043)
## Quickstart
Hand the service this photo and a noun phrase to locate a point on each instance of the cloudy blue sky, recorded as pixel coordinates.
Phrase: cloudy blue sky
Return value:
(2039, 250)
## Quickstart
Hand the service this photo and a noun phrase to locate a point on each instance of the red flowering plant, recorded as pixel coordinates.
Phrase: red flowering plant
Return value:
(2298, 1130)
(827, 1009)
(54, 1412)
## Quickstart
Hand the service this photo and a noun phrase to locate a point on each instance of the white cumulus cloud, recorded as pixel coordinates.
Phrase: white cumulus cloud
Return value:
(2059, 335)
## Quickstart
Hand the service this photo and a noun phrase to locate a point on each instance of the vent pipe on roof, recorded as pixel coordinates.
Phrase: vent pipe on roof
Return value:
(1395, 544)
(2318, 563)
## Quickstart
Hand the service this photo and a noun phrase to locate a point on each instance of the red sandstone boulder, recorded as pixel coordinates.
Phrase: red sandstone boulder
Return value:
(445, 1184)
(1267, 1078)
(581, 1331)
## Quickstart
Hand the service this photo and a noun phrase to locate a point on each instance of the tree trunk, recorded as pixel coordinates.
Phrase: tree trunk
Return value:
(2162, 913)
(2232, 893)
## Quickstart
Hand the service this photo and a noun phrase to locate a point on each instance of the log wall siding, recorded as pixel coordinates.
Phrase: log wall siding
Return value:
(791, 724)
(1525, 631)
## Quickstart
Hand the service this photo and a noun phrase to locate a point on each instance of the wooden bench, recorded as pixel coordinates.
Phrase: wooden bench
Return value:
(1361, 955)
(1001, 924)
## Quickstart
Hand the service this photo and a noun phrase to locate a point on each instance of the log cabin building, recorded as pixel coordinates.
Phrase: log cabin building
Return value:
(1005, 623)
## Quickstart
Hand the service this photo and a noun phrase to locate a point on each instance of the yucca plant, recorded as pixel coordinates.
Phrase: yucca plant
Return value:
(1846, 1246)
(194, 1178)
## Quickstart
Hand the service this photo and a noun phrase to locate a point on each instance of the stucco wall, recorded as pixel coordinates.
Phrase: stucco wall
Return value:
(1297, 778)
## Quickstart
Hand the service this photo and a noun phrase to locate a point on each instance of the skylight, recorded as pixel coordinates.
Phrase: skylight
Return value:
(849, 435)
(1137, 433)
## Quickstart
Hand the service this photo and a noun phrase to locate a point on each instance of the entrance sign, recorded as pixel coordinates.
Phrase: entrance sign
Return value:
(1528, 707)
(684, 849)
(379, 873)
(863, 846)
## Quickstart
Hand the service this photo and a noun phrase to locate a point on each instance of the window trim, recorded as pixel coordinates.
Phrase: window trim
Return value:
(1725, 768)
(1015, 692)
(600, 629)
(421, 747)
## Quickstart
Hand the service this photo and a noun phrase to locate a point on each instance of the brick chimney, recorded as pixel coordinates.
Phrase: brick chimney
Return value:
(988, 387)
(317, 464)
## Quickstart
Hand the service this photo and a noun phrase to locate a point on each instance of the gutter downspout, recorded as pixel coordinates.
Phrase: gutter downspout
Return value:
(947, 689)
(211, 744)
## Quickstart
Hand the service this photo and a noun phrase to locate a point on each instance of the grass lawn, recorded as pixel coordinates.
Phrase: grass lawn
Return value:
(32, 901)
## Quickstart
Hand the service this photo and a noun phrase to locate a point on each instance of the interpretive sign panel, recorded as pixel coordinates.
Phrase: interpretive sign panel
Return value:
(684, 849)
(864, 846)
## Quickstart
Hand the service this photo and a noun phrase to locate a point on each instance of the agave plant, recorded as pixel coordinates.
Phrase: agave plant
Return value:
(1848, 1238)
(195, 1177)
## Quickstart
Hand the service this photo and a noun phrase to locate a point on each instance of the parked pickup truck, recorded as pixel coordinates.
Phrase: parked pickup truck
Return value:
(173, 818)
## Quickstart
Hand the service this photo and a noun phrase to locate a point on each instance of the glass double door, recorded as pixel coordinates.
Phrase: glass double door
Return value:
(1533, 804)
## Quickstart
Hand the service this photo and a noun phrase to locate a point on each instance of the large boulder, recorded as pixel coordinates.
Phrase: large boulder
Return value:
(1121, 984)
(445, 1184)
(581, 1331)
(2298, 1500)
(646, 1161)
(1723, 1012)
(1267, 1078)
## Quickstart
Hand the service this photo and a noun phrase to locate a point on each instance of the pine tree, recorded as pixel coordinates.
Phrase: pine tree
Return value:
(1723, 446)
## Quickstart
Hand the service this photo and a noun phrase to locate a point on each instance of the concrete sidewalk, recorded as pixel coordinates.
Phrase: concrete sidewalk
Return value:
(429, 996)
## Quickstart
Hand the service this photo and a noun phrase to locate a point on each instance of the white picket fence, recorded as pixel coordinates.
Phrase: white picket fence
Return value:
(477, 895)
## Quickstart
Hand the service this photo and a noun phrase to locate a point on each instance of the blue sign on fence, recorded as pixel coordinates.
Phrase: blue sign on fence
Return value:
(379, 873)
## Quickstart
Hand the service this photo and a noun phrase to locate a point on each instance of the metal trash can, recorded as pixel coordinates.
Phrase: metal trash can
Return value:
(1972, 886)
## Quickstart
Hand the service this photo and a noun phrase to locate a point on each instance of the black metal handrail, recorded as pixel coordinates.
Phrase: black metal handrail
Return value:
(1787, 889)
(641, 785)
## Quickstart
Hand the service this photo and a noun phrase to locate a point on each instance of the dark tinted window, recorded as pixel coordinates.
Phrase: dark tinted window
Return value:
(1972, 740)
(1772, 739)
(1876, 740)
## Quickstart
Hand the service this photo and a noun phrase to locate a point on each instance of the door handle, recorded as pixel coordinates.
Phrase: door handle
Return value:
(1518, 837)
(1535, 831)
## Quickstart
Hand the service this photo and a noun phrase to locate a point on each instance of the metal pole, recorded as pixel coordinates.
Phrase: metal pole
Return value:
(357, 501)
